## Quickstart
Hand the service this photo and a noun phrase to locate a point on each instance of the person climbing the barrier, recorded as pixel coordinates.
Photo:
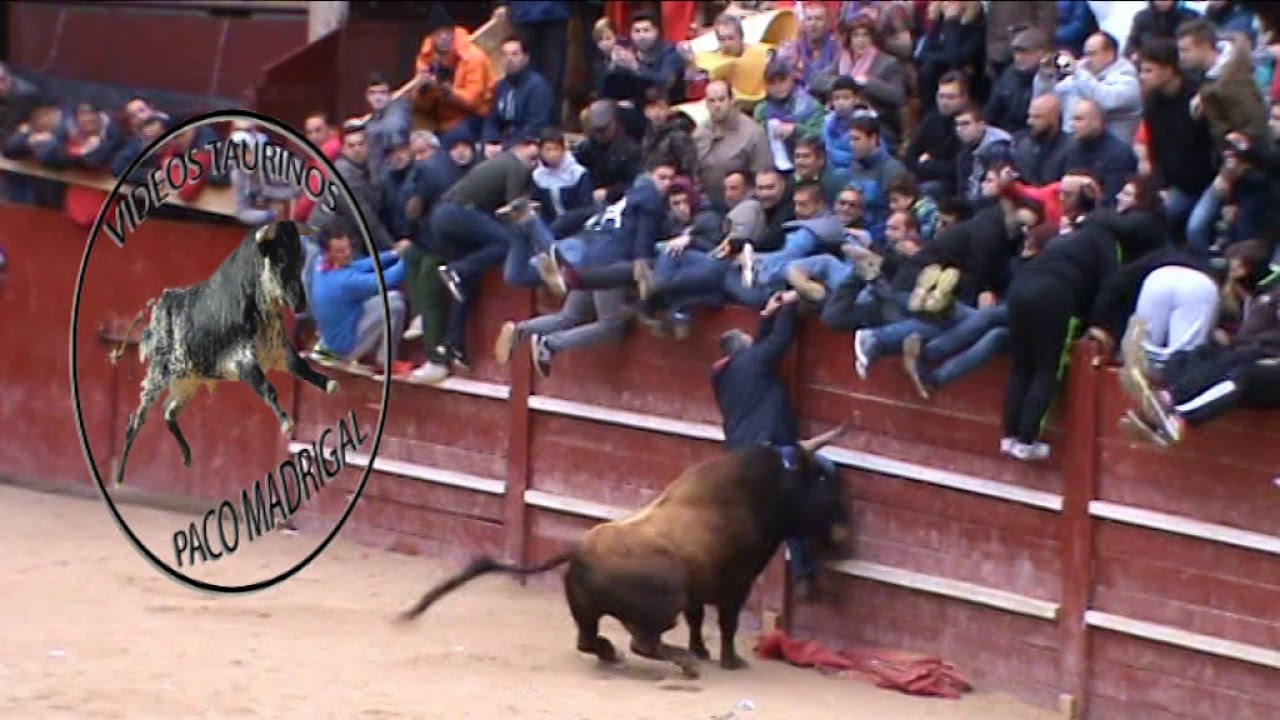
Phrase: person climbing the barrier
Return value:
(756, 406)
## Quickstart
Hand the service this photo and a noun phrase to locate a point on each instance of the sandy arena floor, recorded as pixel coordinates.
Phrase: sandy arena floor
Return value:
(91, 630)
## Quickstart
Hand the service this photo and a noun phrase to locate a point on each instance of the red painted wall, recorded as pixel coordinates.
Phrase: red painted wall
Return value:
(910, 518)
(189, 52)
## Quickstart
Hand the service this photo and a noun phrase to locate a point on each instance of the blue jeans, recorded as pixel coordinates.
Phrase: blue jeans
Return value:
(1250, 196)
(1177, 213)
(966, 345)
(532, 238)
(689, 279)
(828, 270)
(472, 241)
(799, 243)
(887, 339)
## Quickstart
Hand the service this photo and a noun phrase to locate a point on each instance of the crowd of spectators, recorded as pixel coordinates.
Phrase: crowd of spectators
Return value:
(945, 181)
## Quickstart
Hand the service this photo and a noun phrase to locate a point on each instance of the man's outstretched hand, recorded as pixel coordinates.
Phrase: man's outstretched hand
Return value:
(778, 300)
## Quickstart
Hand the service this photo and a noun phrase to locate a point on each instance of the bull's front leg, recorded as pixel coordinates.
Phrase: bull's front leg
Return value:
(299, 366)
(251, 374)
(727, 612)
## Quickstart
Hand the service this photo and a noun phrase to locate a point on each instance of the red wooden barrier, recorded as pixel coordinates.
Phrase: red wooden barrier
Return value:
(1123, 580)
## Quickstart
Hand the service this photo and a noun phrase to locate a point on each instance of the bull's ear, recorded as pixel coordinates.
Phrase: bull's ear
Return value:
(266, 233)
(817, 442)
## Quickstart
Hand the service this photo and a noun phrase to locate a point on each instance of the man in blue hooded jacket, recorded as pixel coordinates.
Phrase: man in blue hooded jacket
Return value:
(346, 303)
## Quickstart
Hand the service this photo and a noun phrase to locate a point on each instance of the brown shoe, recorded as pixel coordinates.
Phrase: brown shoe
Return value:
(807, 287)
(642, 272)
(549, 271)
(911, 348)
(502, 348)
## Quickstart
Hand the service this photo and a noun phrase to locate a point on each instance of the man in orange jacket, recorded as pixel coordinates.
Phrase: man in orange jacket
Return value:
(455, 80)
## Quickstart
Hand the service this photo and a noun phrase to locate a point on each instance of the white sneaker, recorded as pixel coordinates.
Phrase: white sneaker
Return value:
(1006, 445)
(1033, 451)
(429, 372)
(414, 331)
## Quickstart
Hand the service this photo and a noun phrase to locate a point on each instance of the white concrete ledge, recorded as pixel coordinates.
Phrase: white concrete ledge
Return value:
(869, 462)
(573, 506)
(477, 388)
(946, 587)
(853, 459)
(426, 473)
(626, 418)
(1208, 644)
(1188, 527)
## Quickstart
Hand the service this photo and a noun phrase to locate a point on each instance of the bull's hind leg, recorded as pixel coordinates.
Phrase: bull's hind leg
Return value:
(694, 614)
(151, 389)
(251, 374)
(299, 366)
(645, 642)
(587, 617)
(179, 395)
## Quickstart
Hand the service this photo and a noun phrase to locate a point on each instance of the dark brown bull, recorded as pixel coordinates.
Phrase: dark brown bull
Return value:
(703, 541)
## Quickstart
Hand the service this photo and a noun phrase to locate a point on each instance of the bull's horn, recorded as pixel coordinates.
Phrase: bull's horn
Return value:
(817, 442)
(304, 229)
(266, 233)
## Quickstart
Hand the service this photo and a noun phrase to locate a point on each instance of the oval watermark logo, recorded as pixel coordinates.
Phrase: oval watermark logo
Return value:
(229, 327)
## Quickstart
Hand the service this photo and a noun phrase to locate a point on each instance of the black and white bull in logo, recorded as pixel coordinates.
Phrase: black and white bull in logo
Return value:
(229, 327)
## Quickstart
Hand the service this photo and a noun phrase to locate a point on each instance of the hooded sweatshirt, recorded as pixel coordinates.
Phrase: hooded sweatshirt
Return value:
(996, 145)
(562, 188)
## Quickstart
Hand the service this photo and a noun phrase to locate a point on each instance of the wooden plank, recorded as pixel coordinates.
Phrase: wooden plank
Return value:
(869, 462)
(421, 472)
(573, 506)
(256, 6)
(854, 459)
(214, 200)
(1188, 527)
(626, 418)
(477, 388)
(1181, 638)
(946, 587)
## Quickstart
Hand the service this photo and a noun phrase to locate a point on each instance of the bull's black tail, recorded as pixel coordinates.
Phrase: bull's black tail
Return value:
(115, 355)
(482, 565)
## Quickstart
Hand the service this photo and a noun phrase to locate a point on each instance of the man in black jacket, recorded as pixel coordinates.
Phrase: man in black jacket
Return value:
(755, 403)
(610, 155)
(469, 236)
(931, 156)
(1012, 92)
(1047, 300)
(1177, 143)
(1039, 152)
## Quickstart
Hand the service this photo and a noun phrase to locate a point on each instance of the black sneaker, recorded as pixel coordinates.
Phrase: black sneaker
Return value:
(452, 281)
(541, 355)
(459, 361)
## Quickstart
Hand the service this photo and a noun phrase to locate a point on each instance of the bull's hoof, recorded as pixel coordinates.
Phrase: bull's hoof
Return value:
(690, 671)
(700, 652)
(733, 662)
(331, 387)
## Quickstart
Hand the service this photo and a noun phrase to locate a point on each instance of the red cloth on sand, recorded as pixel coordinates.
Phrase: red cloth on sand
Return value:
(911, 673)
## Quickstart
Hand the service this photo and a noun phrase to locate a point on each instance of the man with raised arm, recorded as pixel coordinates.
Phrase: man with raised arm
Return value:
(756, 405)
